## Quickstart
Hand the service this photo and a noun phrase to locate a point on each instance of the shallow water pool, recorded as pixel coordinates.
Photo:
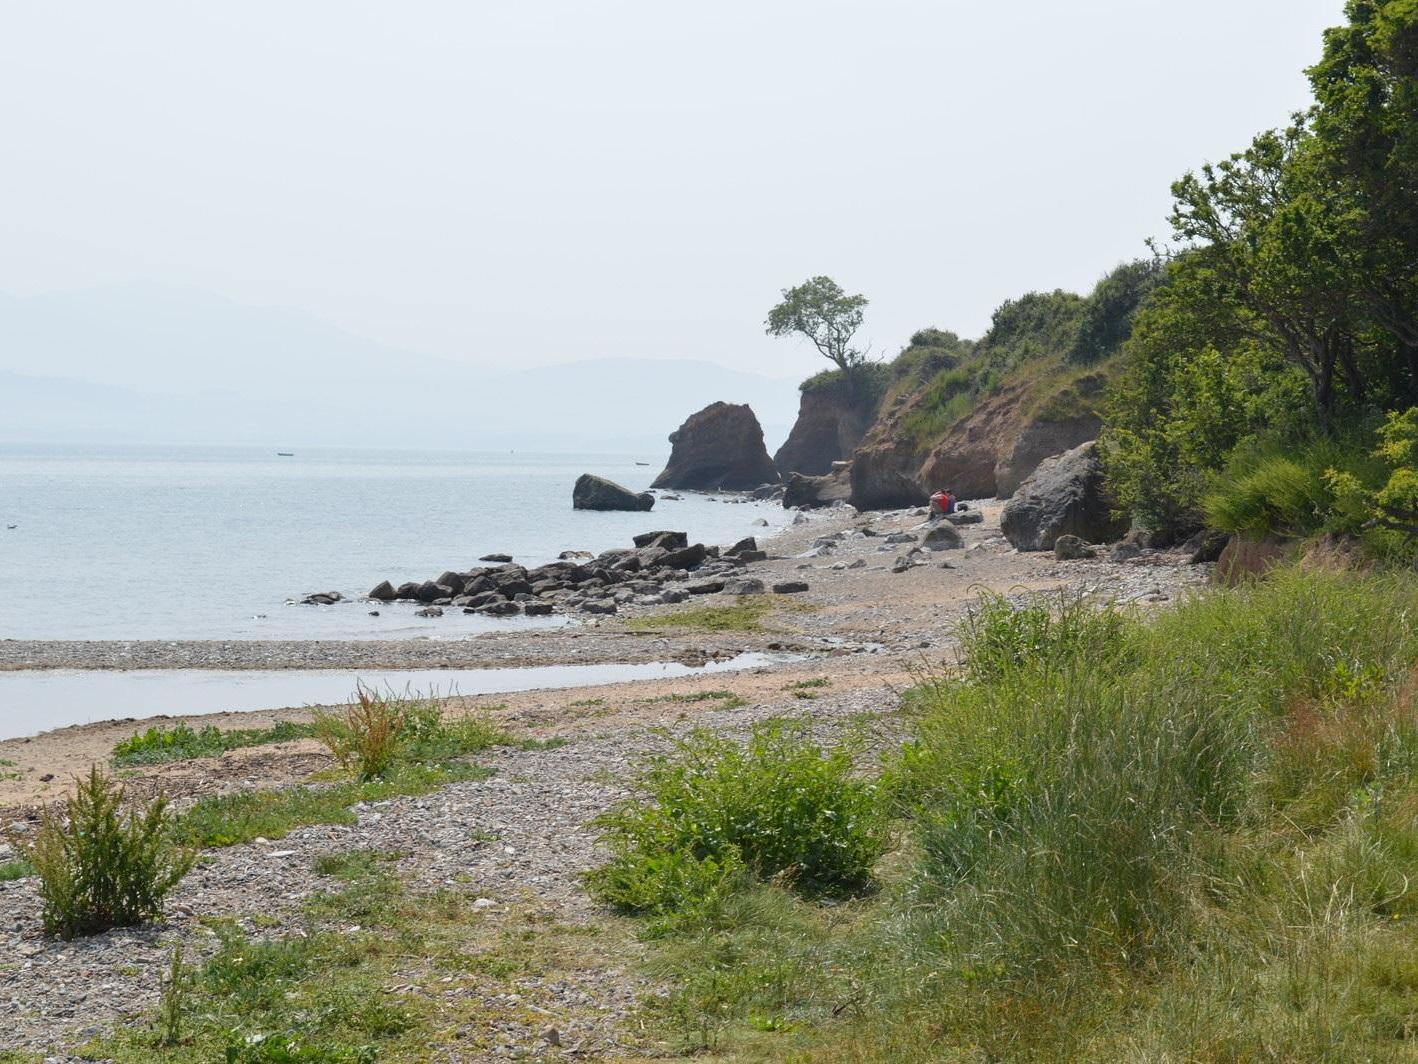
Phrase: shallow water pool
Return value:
(40, 700)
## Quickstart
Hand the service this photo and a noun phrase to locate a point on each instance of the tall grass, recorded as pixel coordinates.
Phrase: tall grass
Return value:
(1122, 826)
(1189, 838)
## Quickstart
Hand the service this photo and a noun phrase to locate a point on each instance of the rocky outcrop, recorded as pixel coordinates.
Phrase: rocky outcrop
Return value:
(719, 448)
(831, 422)
(812, 492)
(597, 493)
(1064, 496)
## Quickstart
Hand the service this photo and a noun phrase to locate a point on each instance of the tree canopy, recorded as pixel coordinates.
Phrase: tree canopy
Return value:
(826, 316)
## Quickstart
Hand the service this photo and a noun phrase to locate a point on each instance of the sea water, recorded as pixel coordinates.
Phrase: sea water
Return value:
(216, 543)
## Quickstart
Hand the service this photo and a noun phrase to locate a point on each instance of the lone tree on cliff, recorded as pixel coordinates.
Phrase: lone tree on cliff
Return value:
(819, 310)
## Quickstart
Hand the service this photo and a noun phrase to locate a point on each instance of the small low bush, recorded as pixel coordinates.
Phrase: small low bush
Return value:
(714, 812)
(182, 742)
(100, 868)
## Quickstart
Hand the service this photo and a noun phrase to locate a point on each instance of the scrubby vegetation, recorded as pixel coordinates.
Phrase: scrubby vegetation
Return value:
(1190, 838)
(100, 867)
(354, 982)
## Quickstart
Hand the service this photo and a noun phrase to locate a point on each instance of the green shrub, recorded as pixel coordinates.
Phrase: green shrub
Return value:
(99, 869)
(182, 742)
(777, 806)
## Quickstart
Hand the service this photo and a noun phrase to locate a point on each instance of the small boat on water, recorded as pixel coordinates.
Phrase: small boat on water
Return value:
(285, 454)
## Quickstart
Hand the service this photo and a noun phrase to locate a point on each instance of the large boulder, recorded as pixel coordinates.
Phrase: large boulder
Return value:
(1064, 496)
(719, 448)
(811, 492)
(597, 493)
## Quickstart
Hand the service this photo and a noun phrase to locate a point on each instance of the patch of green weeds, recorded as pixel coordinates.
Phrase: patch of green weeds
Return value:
(12, 870)
(182, 742)
(228, 819)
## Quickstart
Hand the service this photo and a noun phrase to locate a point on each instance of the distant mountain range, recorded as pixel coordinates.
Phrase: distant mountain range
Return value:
(157, 364)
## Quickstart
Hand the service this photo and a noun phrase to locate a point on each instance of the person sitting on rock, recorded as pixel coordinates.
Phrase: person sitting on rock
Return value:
(942, 503)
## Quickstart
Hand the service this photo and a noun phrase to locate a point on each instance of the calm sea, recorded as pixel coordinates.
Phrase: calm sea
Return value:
(211, 543)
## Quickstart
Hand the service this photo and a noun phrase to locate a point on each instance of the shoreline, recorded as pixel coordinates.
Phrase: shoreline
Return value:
(858, 619)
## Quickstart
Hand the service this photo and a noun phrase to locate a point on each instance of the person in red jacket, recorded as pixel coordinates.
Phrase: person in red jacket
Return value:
(942, 503)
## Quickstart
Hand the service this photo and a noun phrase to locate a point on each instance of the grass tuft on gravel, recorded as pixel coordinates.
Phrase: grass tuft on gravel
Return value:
(229, 819)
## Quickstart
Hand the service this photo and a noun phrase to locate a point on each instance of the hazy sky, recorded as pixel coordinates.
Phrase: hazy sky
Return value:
(543, 181)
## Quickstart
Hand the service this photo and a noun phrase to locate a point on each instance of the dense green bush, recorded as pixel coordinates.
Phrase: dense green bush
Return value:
(714, 811)
(100, 868)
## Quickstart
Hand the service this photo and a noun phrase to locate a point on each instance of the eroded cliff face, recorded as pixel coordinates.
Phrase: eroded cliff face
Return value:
(986, 453)
(831, 423)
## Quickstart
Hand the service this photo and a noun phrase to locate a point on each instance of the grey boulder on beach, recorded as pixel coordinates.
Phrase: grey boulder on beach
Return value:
(597, 493)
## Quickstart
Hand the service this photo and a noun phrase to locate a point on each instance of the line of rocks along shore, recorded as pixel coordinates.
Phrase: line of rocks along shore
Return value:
(662, 568)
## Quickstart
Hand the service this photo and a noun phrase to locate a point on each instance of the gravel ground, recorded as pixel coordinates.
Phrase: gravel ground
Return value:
(518, 840)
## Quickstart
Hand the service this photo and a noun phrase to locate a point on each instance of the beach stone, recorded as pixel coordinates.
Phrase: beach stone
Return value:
(753, 556)
(500, 609)
(686, 557)
(966, 517)
(601, 606)
(789, 587)
(452, 580)
(668, 540)
(429, 611)
(597, 493)
(430, 591)
(499, 557)
(322, 598)
(744, 585)
(408, 590)
(705, 587)
(747, 543)
(383, 592)
(942, 537)
(1071, 548)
